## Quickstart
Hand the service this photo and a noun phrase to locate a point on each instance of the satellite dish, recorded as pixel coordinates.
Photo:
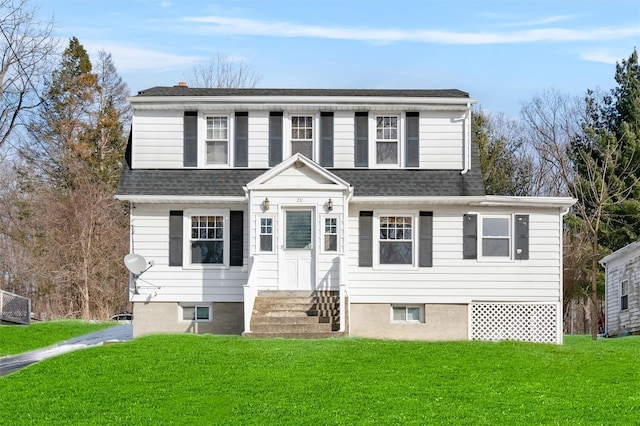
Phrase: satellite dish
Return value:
(136, 263)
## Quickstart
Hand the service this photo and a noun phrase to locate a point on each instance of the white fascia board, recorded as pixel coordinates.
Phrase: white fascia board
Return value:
(181, 199)
(301, 102)
(474, 201)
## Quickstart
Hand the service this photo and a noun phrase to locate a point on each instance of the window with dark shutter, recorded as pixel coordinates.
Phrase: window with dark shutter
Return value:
(362, 139)
(241, 142)
(190, 146)
(236, 231)
(326, 139)
(175, 238)
(522, 237)
(470, 236)
(425, 241)
(365, 239)
(275, 138)
(413, 140)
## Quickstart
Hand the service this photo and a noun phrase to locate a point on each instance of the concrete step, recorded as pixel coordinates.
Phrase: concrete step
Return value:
(297, 293)
(292, 328)
(269, 319)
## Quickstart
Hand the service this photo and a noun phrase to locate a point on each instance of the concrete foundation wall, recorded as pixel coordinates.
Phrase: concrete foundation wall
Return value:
(226, 318)
(441, 322)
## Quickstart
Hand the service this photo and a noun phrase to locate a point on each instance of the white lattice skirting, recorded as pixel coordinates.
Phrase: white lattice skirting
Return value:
(514, 321)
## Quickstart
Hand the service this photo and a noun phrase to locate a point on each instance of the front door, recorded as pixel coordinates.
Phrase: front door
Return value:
(298, 250)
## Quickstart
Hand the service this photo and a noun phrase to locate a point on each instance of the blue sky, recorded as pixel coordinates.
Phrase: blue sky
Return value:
(502, 52)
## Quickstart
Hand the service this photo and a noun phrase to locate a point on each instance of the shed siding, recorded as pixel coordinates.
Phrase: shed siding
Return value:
(626, 266)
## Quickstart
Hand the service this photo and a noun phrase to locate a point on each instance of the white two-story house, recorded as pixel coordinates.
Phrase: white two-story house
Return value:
(308, 213)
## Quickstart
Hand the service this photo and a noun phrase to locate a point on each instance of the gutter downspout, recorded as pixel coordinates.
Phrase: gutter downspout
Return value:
(466, 152)
(560, 319)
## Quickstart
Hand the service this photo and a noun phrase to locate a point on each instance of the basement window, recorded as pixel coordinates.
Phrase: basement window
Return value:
(407, 314)
(196, 313)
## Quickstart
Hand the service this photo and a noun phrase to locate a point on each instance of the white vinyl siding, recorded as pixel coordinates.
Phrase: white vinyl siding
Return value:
(158, 139)
(150, 238)
(454, 280)
(442, 140)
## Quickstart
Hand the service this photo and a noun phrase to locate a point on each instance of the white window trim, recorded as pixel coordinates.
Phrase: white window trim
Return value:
(622, 293)
(274, 233)
(511, 227)
(202, 139)
(286, 148)
(376, 240)
(338, 233)
(405, 306)
(186, 252)
(373, 140)
(195, 306)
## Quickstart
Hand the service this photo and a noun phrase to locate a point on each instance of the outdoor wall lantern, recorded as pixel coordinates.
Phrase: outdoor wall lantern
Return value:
(330, 204)
(265, 204)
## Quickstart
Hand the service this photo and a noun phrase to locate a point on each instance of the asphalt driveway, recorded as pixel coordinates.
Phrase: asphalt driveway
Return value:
(121, 332)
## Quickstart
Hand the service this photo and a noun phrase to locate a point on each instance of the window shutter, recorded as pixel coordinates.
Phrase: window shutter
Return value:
(326, 139)
(365, 239)
(242, 139)
(190, 146)
(236, 231)
(175, 238)
(275, 138)
(413, 140)
(470, 236)
(425, 243)
(362, 139)
(522, 237)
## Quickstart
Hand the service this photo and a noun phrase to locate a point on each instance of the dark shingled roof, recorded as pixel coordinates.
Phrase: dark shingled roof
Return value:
(194, 91)
(365, 182)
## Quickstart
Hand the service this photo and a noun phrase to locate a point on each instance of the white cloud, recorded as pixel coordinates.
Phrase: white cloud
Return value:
(129, 58)
(239, 26)
(605, 56)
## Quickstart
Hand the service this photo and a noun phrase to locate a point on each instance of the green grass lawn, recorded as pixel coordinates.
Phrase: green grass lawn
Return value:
(187, 379)
(15, 339)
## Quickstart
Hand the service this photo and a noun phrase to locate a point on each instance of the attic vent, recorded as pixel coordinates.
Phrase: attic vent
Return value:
(181, 84)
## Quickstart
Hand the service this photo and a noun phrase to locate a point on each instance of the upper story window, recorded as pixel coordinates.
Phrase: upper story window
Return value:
(217, 139)
(302, 135)
(387, 139)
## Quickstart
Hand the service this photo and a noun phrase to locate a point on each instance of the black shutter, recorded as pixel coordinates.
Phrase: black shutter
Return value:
(522, 237)
(362, 139)
(326, 139)
(275, 138)
(413, 140)
(470, 236)
(175, 238)
(236, 230)
(365, 239)
(190, 147)
(425, 243)
(242, 139)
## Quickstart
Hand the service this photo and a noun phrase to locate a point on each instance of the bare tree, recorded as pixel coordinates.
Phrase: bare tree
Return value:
(222, 72)
(26, 48)
(550, 122)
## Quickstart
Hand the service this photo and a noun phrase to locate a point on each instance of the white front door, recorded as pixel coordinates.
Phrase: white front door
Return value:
(298, 250)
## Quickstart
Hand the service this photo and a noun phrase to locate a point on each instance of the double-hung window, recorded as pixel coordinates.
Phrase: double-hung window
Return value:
(302, 135)
(207, 240)
(217, 139)
(624, 295)
(387, 139)
(496, 236)
(396, 240)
